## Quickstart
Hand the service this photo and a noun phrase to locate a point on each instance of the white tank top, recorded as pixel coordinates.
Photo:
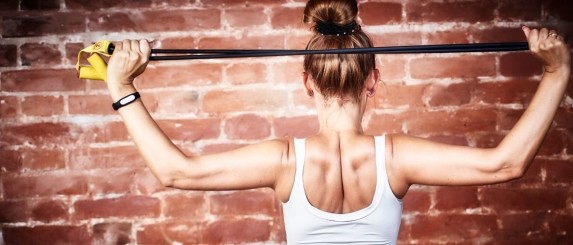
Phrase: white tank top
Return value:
(376, 224)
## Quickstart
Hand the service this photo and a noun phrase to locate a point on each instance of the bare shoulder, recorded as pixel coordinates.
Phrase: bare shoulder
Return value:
(285, 177)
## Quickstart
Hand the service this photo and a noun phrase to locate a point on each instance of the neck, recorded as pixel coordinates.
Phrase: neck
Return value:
(339, 117)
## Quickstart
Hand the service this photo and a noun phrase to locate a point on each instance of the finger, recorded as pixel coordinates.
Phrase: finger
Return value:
(126, 44)
(134, 45)
(543, 34)
(533, 36)
(117, 46)
(526, 31)
(145, 48)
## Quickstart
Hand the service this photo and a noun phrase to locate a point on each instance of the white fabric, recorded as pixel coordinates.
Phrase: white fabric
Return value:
(376, 224)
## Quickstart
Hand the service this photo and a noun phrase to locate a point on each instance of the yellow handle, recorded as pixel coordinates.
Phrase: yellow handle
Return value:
(97, 68)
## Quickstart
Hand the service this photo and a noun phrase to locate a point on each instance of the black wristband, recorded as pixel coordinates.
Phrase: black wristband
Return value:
(130, 98)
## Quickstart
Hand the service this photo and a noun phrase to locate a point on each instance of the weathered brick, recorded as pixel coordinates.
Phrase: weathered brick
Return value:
(301, 126)
(456, 67)
(39, 4)
(497, 34)
(13, 211)
(517, 199)
(41, 80)
(8, 55)
(287, 18)
(42, 234)
(37, 105)
(457, 94)
(49, 210)
(417, 201)
(104, 132)
(456, 11)
(84, 158)
(558, 10)
(451, 198)
(237, 230)
(191, 130)
(399, 95)
(380, 13)
(112, 233)
(186, 205)
(451, 36)
(512, 91)
(9, 5)
(247, 73)
(178, 43)
(38, 133)
(187, 232)
(171, 20)
(222, 101)
(90, 105)
(520, 10)
(242, 203)
(455, 228)
(174, 102)
(43, 23)
(247, 16)
(26, 159)
(396, 39)
(105, 4)
(44, 185)
(519, 65)
(246, 41)
(9, 107)
(558, 171)
(111, 181)
(247, 126)
(523, 227)
(173, 76)
(72, 50)
(121, 207)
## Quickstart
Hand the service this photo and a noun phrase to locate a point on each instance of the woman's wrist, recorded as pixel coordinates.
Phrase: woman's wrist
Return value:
(119, 91)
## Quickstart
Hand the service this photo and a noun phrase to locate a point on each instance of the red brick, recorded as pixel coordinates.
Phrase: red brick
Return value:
(452, 36)
(558, 10)
(8, 107)
(40, 159)
(72, 50)
(521, 227)
(146, 183)
(520, 10)
(247, 41)
(283, 17)
(376, 13)
(552, 144)
(108, 181)
(171, 20)
(241, 3)
(8, 55)
(396, 39)
(90, 105)
(561, 224)
(302, 100)
(44, 185)
(84, 158)
(41, 80)
(104, 132)
(43, 24)
(106, 4)
(40, 5)
(247, 73)
(242, 203)
(398, 95)
(519, 65)
(508, 118)
(178, 43)
(122, 207)
(297, 40)
(517, 199)
(286, 72)
(392, 69)
(10, 160)
(532, 176)
(185, 205)
(37, 105)
(457, 11)
(191, 130)
(241, 230)
(513, 91)
(38, 54)
(564, 117)
(385, 123)
(417, 200)
(49, 210)
(486, 140)
(451, 95)
(456, 67)
(174, 76)
(247, 16)
(112, 233)
(558, 171)
(451, 198)
(460, 121)
(9, 5)
(454, 228)
(222, 101)
(186, 232)
(301, 126)
(497, 34)
(38, 133)
(42, 234)
(179, 101)
(248, 126)
(13, 211)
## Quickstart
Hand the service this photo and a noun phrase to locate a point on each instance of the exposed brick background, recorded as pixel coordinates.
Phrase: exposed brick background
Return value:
(70, 174)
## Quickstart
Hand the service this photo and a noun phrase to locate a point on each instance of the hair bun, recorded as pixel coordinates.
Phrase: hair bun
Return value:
(332, 17)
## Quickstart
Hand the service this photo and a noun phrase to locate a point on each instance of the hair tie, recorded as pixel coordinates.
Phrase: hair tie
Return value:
(329, 28)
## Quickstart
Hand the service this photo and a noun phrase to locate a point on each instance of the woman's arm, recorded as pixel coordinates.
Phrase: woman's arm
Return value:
(417, 161)
(250, 167)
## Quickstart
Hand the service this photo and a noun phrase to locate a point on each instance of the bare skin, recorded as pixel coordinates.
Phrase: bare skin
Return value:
(339, 173)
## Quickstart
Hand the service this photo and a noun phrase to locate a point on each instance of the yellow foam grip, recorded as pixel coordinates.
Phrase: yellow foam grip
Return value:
(97, 68)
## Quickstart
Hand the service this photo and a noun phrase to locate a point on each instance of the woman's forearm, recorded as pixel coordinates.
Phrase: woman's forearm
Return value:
(159, 152)
(518, 148)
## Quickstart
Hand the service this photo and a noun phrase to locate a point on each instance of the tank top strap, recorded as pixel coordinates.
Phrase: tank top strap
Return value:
(300, 152)
(380, 147)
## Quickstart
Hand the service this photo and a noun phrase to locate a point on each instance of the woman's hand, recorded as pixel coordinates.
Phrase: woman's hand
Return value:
(549, 48)
(128, 61)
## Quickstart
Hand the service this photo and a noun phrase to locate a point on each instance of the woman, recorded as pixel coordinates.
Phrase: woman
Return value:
(341, 185)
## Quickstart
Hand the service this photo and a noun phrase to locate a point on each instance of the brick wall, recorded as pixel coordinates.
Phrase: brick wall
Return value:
(70, 174)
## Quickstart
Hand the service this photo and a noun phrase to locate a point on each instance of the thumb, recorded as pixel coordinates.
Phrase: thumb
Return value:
(526, 31)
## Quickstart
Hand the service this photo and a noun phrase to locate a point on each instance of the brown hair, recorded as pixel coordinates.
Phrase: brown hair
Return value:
(337, 75)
